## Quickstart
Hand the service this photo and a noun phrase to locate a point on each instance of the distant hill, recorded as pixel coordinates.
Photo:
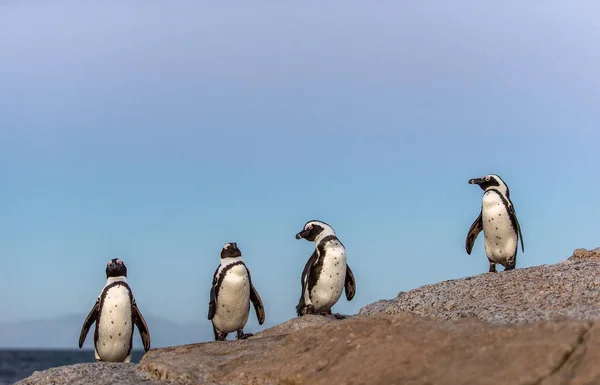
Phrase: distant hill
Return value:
(63, 332)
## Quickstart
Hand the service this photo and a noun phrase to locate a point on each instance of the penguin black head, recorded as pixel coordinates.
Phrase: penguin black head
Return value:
(312, 229)
(116, 268)
(491, 181)
(230, 250)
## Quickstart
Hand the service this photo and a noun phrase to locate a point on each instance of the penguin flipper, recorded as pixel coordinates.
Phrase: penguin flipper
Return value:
(304, 281)
(256, 301)
(89, 320)
(513, 215)
(300, 306)
(349, 284)
(474, 231)
(311, 261)
(212, 304)
(140, 322)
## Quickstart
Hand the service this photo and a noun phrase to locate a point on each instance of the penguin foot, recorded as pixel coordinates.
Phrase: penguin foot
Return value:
(493, 268)
(242, 336)
(221, 336)
(329, 313)
(309, 309)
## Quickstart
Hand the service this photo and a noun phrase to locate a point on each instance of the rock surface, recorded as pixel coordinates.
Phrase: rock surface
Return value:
(389, 349)
(103, 373)
(585, 255)
(527, 326)
(570, 289)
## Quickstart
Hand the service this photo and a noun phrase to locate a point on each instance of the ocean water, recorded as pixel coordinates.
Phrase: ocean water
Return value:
(17, 364)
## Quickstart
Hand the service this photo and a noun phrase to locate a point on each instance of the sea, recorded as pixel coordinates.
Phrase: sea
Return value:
(17, 364)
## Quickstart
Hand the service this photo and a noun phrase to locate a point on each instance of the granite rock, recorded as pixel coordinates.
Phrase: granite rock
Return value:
(570, 289)
(98, 373)
(391, 349)
(585, 255)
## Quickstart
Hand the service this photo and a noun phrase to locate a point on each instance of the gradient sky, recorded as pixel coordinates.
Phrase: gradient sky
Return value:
(156, 132)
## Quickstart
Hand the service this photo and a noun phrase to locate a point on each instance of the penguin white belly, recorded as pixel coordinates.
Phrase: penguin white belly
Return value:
(330, 283)
(500, 237)
(233, 301)
(115, 326)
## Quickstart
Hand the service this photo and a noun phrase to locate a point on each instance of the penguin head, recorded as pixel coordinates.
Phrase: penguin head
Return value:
(315, 229)
(230, 250)
(116, 268)
(491, 181)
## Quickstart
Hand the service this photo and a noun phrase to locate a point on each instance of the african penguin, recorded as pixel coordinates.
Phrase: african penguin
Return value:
(499, 223)
(115, 313)
(230, 295)
(326, 272)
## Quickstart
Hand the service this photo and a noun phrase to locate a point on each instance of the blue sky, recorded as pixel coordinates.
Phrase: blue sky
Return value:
(156, 133)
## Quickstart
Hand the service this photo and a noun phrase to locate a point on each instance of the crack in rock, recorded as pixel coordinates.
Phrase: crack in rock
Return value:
(573, 358)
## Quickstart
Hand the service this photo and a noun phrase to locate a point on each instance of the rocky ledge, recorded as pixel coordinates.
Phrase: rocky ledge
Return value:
(534, 325)
(570, 289)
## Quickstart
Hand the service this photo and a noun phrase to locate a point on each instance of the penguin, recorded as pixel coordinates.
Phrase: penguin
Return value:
(230, 295)
(115, 313)
(498, 221)
(326, 272)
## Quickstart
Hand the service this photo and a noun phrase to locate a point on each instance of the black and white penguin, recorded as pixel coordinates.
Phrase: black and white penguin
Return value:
(326, 272)
(230, 295)
(499, 223)
(115, 313)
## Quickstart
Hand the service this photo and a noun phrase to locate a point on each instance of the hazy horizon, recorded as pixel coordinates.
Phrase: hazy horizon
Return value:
(156, 133)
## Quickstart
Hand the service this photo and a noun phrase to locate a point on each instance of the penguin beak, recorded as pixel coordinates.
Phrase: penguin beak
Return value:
(302, 234)
(476, 181)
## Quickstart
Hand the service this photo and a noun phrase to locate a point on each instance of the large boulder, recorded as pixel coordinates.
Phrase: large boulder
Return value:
(96, 373)
(391, 349)
(570, 289)
(585, 255)
(383, 349)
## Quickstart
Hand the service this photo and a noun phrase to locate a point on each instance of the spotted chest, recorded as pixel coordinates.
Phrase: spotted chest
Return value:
(500, 236)
(327, 279)
(232, 299)
(114, 326)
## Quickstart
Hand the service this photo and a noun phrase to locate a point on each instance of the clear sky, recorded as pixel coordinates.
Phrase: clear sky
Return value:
(156, 132)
